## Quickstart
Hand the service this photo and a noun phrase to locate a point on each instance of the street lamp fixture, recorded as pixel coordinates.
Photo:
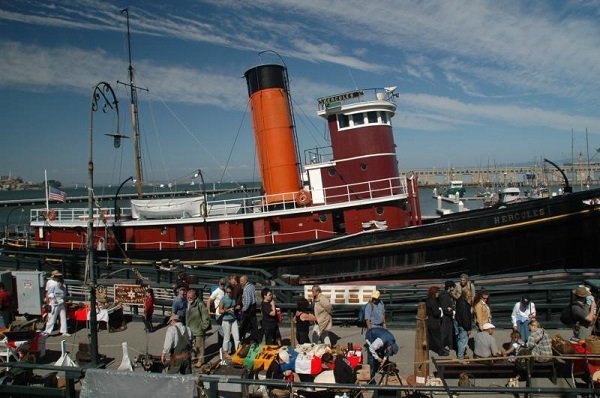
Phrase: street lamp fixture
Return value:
(102, 96)
(117, 210)
(6, 229)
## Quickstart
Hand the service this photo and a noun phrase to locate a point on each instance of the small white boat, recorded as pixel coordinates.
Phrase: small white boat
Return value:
(509, 195)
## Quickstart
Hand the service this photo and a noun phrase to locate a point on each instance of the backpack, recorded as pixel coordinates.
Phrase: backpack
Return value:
(566, 316)
(362, 322)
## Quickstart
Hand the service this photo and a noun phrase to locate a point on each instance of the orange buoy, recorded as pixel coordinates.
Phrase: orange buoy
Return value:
(303, 198)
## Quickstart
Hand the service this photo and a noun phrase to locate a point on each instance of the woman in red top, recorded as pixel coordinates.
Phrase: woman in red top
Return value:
(149, 310)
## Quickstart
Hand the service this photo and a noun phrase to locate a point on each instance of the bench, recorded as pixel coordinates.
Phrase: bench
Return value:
(499, 369)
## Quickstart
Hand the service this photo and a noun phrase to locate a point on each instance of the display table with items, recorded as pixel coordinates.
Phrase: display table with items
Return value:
(17, 345)
(111, 314)
(582, 358)
(305, 361)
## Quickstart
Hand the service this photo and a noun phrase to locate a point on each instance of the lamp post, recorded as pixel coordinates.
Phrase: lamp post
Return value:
(117, 210)
(104, 96)
(205, 204)
(6, 229)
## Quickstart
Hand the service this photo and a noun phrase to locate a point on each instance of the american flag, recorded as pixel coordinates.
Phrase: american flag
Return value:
(57, 194)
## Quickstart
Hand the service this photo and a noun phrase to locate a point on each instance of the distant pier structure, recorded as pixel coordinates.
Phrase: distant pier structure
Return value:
(579, 174)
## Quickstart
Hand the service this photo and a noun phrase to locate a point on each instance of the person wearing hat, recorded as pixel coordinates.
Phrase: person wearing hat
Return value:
(485, 343)
(56, 300)
(55, 275)
(381, 345)
(583, 315)
(178, 344)
(375, 312)
(274, 372)
(522, 314)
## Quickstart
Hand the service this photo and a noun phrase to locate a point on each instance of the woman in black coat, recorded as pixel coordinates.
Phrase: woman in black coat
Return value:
(434, 319)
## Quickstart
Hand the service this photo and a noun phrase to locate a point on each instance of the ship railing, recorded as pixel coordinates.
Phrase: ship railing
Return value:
(195, 243)
(71, 214)
(357, 96)
(382, 188)
(226, 242)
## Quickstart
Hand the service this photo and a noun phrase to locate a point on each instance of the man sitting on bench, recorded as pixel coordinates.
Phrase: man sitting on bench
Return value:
(485, 343)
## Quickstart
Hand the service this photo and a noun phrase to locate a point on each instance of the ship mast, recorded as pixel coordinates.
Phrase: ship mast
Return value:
(134, 115)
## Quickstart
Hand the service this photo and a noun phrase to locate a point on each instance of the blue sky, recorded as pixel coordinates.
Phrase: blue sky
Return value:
(479, 81)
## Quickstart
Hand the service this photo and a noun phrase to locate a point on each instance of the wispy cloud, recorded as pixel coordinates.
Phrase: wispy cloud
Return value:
(483, 49)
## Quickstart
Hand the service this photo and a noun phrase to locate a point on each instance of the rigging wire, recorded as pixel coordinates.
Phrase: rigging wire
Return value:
(237, 134)
(187, 130)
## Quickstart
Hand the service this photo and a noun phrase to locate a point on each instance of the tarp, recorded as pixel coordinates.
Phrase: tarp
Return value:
(114, 383)
(166, 208)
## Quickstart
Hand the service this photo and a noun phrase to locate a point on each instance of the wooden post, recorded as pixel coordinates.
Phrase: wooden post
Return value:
(421, 347)
(292, 329)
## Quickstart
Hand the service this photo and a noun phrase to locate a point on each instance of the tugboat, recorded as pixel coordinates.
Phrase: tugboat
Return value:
(342, 213)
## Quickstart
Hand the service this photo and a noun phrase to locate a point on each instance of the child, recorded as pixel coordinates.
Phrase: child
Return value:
(149, 310)
(515, 345)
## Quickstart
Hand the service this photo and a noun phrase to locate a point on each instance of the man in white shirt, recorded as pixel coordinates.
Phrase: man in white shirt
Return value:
(523, 313)
(213, 304)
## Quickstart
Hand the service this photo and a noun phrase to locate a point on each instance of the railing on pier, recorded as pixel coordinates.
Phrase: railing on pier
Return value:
(549, 291)
(208, 385)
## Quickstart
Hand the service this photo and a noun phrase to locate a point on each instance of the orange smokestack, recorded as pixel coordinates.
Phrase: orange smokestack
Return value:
(273, 131)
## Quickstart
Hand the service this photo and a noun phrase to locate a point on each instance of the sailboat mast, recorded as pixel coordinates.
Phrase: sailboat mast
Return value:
(134, 117)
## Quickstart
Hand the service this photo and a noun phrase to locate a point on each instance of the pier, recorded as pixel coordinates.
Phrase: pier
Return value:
(550, 292)
(579, 174)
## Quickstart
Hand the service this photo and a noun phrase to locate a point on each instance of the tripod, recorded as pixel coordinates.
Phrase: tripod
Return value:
(388, 372)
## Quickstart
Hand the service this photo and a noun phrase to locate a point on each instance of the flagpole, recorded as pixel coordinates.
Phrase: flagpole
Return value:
(46, 184)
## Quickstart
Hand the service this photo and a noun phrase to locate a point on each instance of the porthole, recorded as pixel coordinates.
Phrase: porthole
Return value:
(323, 217)
(331, 172)
(363, 166)
(379, 210)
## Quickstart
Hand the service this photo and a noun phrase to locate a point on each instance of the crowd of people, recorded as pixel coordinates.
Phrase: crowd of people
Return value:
(459, 309)
(459, 318)
(233, 306)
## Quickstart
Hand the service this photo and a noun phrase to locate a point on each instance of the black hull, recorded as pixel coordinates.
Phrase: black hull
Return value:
(559, 232)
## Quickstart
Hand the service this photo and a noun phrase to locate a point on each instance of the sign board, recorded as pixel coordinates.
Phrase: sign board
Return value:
(340, 97)
(130, 294)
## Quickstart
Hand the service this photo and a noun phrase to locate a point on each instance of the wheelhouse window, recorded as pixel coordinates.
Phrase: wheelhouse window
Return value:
(384, 118)
(343, 121)
(358, 119)
(372, 117)
(361, 119)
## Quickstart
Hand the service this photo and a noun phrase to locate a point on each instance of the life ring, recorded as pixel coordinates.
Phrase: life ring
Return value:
(51, 215)
(303, 198)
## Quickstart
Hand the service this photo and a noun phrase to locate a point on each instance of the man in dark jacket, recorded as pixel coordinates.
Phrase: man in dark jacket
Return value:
(381, 345)
(447, 304)
(464, 322)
